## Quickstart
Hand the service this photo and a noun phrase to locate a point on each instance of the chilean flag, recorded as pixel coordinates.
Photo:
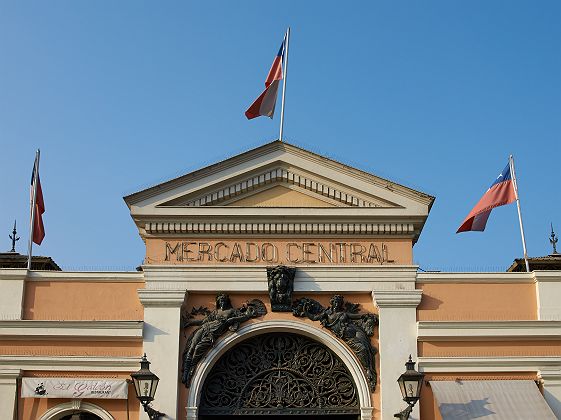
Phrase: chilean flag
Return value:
(264, 105)
(500, 192)
(38, 228)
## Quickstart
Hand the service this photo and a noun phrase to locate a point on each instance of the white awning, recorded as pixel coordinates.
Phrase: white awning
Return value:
(490, 400)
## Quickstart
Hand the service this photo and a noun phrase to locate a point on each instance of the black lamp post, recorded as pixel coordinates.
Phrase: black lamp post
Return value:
(410, 383)
(145, 384)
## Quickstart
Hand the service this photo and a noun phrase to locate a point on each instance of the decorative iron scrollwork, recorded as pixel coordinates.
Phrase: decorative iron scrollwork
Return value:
(281, 283)
(279, 373)
(214, 324)
(342, 318)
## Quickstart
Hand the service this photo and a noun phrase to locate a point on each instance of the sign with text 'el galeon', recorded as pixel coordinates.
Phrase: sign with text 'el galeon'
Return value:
(276, 252)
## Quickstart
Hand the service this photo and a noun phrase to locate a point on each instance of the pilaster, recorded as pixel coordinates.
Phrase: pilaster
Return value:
(398, 339)
(12, 282)
(8, 387)
(548, 291)
(162, 309)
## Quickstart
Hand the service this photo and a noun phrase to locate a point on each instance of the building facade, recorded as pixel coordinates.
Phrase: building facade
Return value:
(279, 283)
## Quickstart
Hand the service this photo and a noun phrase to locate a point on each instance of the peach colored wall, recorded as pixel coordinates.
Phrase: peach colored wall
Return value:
(71, 348)
(490, 348)
(428, 404)
(208, 300)
(81, 300)
(280, 196)
(398, 251)
(33, 408)
(477, 302)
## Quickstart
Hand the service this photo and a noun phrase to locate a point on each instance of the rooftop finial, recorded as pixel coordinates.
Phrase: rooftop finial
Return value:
(15, 238)
(553, 240)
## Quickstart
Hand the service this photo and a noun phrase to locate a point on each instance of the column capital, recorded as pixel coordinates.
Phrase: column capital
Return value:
(10, 373)
(162, 297)
(397, 298)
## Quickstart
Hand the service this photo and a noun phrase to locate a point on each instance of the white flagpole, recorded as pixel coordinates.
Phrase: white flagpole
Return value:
(511, 162)
(285, 71)
(33, 205)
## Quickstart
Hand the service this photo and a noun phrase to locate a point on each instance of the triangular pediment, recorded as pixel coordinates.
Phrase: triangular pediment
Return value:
(279, 180)
(279, 186)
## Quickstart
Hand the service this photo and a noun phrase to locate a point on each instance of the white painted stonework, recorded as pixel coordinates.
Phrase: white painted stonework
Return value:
(161, 343)
(398, 340)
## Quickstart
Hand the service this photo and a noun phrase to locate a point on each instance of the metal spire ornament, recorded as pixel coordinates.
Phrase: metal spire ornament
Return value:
(14, 238)
(553, 240)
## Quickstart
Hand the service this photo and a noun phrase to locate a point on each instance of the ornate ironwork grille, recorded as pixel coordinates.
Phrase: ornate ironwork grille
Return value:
(279, 373)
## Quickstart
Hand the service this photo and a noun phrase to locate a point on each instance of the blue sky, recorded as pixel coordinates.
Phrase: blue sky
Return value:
(431, 94)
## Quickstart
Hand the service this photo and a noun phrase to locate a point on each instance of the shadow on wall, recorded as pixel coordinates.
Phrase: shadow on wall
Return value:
(473, 410)
(553, 402)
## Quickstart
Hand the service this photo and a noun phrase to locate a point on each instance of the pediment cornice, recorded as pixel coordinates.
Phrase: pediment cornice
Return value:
(231, 192)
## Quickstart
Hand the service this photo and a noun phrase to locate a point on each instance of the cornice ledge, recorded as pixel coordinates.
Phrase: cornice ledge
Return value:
(37, 329)
(77, 363)
(7, 373)
(397, 298)
(13, 274)
(542, 276)
(161, 297)
(489, 364)
(452, 277)
(487, 330)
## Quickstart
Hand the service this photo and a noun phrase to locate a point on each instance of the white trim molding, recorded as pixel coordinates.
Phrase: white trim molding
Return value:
(397, 298)
(158, 297)
(488, 330)
(61, 410)
(71, 363)
(337, 278)
(86, 276)
(489, 364)
(296, 327)
(451, 277)
(222, 228)
(70, 330)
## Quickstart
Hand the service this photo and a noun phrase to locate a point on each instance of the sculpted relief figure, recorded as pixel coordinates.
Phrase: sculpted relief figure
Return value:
(342, 318)
(217, 322)
(281, 283)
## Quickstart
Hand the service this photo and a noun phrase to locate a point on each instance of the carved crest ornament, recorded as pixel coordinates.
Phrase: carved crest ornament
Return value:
(341, 318)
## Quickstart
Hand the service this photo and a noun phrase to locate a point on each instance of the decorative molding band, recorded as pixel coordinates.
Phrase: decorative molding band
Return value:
(488, 330)
(547, 276)
(157, 297)
(489, 364)
(74, 363)
(13, 274)
(397, 298)
(85, 276)
(281, 228)
(70, 330)
(7, 374)
(451, 277)
(339, 278)
(277, 175)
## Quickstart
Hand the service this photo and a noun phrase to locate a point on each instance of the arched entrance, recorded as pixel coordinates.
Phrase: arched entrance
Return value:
(328, 342)
(279, 374)
(76, 410)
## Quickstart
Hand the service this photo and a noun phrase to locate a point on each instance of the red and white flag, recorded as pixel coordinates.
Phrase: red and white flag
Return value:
(264, 105)
(37, 215)
(500, 193)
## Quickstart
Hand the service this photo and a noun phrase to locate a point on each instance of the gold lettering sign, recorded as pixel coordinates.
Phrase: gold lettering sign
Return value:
(238, 252)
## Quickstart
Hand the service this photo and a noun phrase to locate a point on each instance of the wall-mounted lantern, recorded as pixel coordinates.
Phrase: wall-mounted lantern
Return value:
(410, 383)
(145, 384)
